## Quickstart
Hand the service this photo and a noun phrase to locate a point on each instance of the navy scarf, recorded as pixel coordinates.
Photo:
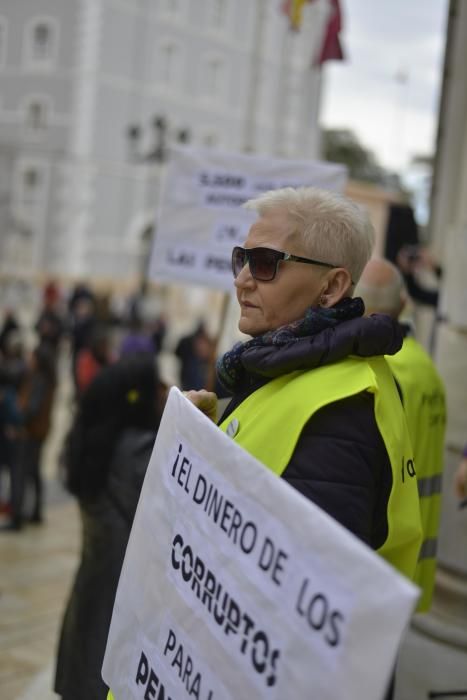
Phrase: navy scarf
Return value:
(230, 370)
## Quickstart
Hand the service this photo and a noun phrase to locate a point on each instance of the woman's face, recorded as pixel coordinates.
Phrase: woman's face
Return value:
(265, 306)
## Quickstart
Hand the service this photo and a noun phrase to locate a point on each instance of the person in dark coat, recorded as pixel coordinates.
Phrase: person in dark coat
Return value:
(9, 422)
(13, 361)
(106, 456)
(50, 327)
(93, 358)
(312, 395)
(194, 351)
(35, 399)
(9, 326)
(83, 322)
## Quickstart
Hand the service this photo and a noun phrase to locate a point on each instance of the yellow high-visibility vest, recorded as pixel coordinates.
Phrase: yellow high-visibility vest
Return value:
(424, 402)
(268, 424)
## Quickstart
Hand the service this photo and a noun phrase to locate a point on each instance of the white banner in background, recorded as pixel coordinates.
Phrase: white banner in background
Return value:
(235, 586)
(200, 216)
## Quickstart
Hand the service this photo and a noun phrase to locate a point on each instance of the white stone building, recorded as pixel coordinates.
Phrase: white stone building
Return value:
(76, 76)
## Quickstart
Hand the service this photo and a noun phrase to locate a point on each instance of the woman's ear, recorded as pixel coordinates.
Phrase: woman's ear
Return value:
(338, 285)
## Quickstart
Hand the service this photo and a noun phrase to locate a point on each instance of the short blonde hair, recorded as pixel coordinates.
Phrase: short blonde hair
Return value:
(333, 228)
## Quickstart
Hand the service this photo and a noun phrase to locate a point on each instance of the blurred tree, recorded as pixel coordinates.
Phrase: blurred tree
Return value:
(342, 146)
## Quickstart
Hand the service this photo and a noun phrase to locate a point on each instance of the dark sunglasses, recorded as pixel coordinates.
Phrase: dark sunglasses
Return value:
(264, 262)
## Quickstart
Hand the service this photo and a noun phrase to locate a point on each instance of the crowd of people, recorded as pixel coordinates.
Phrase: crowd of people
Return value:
(27, 389)
(82, 329)
(331, 392)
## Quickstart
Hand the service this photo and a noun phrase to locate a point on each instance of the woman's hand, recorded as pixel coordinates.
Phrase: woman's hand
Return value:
(460, 480)
(206, 401)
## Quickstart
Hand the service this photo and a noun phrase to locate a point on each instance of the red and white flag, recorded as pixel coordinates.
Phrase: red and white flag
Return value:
(331, 49)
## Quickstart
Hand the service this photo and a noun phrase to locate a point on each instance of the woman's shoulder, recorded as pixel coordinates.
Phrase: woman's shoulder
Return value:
(352, 418)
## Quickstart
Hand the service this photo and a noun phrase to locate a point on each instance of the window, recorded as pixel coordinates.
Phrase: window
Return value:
(218, 13)
(169, 55)
(18, 251)
(3, 41)
(173, 9)
(170, 64)
(31, 179)
(211, 139)
(172, 6)
(36, 115)
(213, 77)
(41, 42)
(30, 185)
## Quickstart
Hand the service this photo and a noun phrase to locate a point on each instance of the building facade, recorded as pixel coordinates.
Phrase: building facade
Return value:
(91, 93)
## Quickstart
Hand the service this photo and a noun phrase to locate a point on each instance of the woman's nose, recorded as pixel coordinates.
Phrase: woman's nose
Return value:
(244, 278)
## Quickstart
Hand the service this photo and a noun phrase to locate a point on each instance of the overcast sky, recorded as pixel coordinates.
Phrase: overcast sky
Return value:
(382, 39)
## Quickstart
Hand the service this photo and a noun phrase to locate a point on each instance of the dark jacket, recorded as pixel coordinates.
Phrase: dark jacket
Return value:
(106, 524)
(340, 461)
(35, 402)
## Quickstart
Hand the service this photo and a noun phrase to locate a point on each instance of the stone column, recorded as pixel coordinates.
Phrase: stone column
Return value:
(434, 654)
(450, 608)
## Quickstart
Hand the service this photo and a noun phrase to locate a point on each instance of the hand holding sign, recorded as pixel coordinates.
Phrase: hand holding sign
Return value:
(205, 401)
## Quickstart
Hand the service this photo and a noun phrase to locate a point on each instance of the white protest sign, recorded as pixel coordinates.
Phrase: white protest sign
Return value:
(200, 216)
(235, 586)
